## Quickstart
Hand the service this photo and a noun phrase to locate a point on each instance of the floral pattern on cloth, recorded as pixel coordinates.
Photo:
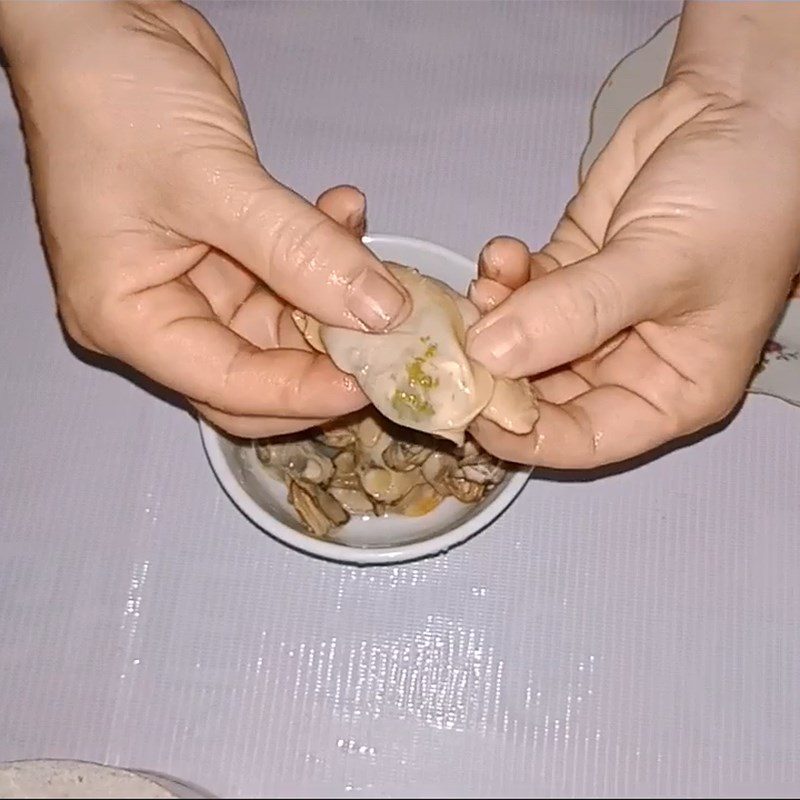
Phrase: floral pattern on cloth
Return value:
(775, 350)
(778, 372)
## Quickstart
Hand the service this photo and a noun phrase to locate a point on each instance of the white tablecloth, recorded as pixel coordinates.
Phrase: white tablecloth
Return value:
(636, 633)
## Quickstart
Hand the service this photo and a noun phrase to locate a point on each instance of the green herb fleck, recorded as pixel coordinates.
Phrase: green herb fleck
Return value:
(408, 404)
(411, 400)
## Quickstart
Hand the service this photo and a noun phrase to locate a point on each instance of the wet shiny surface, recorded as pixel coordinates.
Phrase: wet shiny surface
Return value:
(633, 634)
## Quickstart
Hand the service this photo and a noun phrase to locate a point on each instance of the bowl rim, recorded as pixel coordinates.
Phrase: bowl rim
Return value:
(333, 551)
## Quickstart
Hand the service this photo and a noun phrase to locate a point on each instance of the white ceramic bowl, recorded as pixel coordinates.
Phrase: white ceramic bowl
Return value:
(364, 541)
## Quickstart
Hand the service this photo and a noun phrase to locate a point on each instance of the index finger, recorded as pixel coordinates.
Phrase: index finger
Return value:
(211, 364)
(167, 334)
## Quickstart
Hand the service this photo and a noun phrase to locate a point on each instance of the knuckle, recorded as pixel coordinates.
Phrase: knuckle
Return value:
(722, 408)
(299, 241)
(597, 306)
(69, 317)
(590, 314)
(289, 389)
(77, 325)
(713, 402)
(676, 423)
(103, 323)
(221, 393)
(274, 225)
(75, 332)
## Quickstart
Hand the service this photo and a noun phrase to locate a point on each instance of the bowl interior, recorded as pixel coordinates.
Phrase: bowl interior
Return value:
(264, 499)
(390, 531)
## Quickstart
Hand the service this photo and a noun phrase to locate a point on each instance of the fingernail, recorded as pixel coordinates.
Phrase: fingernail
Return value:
(480, 296)
(357, 223)
(485, 267)
(375, 301)
(498, 345)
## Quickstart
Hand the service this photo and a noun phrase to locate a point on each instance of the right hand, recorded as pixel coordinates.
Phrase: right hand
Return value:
(643, 317)
(172, 249)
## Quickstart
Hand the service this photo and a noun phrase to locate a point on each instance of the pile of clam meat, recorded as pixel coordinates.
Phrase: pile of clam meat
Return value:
(369, 467)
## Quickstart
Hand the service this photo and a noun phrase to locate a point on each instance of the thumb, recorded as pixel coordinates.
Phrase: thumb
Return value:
(298, 251)
(570, 312)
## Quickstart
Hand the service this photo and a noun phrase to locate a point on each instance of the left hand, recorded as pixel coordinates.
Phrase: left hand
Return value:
(172, 249)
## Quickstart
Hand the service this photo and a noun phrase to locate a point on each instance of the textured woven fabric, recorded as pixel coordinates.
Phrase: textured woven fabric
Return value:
(633, 634)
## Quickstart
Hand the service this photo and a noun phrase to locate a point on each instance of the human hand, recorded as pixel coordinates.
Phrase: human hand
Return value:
(171, 248)
(663, 279)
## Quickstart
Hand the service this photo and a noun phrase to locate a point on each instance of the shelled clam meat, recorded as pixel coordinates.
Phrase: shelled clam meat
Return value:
(419, 374)
(369, 467)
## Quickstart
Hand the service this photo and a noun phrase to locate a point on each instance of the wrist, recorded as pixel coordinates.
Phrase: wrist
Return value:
(745, 52)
